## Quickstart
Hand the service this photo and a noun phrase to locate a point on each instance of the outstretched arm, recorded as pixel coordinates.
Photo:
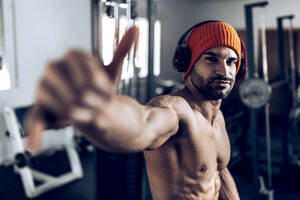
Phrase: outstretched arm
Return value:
(79, 90)
(228, 190)
(124, 125)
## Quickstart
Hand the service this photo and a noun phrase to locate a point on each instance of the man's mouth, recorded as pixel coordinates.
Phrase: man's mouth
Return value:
(221, 83)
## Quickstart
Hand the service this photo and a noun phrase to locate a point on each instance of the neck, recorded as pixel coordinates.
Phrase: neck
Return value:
(207, 107)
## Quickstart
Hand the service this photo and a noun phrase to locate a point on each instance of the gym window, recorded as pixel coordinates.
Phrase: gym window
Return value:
(4, 75)
(7, 38)
(141, 56)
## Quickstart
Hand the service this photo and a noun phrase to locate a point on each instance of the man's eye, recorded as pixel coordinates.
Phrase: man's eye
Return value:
(212, 59)
(231, 61)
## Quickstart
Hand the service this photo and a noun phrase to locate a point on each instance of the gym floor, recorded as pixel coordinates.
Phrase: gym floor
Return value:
(285, 185)
(11, 187)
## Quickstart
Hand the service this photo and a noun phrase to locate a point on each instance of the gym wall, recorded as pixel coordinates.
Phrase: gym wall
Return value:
(44, 30)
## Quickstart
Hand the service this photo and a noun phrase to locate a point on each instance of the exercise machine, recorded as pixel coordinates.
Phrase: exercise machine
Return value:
(291, 153)
(14, 119)
(255, 93)
(286, 85)
(118, 176)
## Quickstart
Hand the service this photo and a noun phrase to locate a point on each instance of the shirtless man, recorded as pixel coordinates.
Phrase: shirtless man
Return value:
(182, 135)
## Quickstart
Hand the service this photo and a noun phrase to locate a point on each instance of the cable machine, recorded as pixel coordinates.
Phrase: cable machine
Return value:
(290, 151)
(289, 84)
(255, 93)
(121, 176)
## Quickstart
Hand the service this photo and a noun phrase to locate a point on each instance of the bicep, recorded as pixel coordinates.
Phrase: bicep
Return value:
(161, 124)
(162, 119)
(228, 190)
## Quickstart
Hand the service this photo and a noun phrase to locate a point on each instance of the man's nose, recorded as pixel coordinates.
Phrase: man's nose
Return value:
(222, 69)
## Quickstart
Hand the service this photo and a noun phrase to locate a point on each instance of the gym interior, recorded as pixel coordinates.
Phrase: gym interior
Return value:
(261, 113)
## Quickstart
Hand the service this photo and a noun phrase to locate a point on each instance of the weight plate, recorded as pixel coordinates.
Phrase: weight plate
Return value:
(254, 93)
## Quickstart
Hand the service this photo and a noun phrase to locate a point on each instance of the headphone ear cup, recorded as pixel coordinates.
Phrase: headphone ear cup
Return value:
(243, 68)
(182, 59)
(242, 71)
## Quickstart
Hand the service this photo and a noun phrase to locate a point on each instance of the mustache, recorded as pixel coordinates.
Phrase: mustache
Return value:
(220, 78)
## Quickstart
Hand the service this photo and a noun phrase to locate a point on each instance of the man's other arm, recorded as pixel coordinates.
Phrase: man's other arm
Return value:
(228, 190)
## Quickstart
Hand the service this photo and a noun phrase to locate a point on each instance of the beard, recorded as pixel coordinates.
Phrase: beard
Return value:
(210, 89)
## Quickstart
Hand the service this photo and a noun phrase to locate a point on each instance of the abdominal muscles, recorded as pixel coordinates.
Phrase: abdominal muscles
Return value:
(192, 188)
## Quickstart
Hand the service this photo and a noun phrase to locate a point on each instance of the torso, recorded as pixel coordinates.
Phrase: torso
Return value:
(187, 166)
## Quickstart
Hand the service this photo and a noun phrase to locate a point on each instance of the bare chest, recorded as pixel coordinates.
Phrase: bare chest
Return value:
(204, 149)
(190, 162)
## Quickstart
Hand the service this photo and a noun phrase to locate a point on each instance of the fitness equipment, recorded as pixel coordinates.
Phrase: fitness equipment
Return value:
(128, 77)
(165, 87)
(1, 36)
(96, 24)
(151, 14)
(1, 62)
(119, 176)
(128, 81)
(291, 153)
(285, 83)
(21, 161)
(255, 94)
(292, 60)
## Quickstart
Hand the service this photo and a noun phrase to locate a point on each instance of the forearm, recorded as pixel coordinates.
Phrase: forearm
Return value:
(228, 190)
(124, 125)
(117, 126)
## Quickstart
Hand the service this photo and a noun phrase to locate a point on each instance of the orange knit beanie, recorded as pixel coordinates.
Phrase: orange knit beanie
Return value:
(209, 35)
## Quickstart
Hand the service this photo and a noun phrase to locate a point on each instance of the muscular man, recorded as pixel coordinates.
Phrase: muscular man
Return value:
(182, 134)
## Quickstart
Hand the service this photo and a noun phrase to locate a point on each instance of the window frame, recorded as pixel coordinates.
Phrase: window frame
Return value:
(9, 32)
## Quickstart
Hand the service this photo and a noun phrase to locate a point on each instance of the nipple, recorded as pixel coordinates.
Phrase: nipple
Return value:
(203, 169)
(219, 161)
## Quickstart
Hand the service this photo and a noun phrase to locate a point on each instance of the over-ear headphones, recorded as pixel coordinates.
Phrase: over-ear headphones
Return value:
(182, 55)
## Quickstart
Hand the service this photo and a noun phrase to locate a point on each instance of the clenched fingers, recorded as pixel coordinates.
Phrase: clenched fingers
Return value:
(92, 106)
(87, 71)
